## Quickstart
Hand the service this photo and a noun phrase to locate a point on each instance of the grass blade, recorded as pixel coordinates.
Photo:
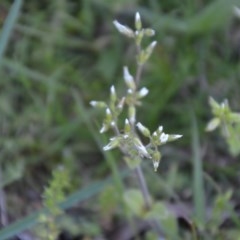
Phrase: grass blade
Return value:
(8, 26)
(198, 184)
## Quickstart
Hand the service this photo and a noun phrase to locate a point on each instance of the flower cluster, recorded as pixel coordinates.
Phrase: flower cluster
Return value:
(127, 138)
(223, 116)
(229, 123)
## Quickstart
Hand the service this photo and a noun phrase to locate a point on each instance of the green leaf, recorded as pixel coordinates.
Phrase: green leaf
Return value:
(134, 201)
(167, 220)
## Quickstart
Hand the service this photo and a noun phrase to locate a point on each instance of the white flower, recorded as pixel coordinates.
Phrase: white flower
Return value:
(164, 137)
(143, 92)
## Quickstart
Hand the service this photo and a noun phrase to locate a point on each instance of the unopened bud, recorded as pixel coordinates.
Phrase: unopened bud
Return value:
(114, 142)
(108, 115)
(156, 156)
(98, 104)
(123, 29)
(132, 114)
(143, 92)
(150, 48)
(104, 128)
(113, 94)
(149, 32)
(127, 127)
(138, 22)
(129, 80)
(143, 129)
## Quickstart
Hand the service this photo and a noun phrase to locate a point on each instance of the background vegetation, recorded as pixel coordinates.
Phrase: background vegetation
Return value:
(58, 55)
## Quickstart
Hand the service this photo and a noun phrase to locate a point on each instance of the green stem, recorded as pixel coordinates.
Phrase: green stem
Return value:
(143, 186)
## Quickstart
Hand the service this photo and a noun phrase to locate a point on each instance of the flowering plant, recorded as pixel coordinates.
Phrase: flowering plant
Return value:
(126, 138)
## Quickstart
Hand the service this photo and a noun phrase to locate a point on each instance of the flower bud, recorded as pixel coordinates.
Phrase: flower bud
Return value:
(156, 156)
(129, 80)
(114, 142)
(98, 104)
(104, 128)
(149, 32)
(143, 92)
(108, 115)
(149, 49)
(123, 29)
(160, 129)
(113, 95)
(132, 114)
(138, 22)
(139, 36)
(213, 124)
(143, 129)
(127, 127)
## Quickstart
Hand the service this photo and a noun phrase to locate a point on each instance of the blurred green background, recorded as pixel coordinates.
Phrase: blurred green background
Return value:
(61, 54)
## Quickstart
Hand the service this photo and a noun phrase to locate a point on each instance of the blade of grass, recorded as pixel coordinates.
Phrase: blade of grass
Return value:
(198, 182)
(79, 196)
(8, 26)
